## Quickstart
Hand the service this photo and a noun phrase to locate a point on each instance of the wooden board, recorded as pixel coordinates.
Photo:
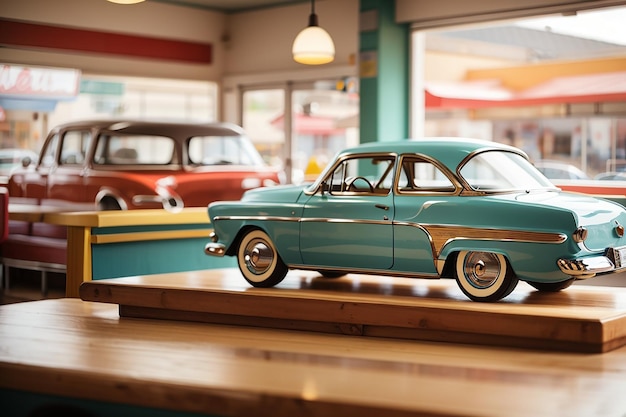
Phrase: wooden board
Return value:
(579, 319)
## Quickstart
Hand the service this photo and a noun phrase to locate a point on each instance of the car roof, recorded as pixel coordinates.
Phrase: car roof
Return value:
(156, 127)
(449, 150)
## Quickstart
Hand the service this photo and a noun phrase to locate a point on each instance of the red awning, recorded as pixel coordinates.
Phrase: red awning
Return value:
(592, 88)
(311, 125)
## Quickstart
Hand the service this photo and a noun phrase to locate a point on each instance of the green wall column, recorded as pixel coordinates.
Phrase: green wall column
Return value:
(384, 73)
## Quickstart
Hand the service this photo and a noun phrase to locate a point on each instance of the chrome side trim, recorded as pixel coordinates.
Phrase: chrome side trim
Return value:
(262, 218)
(440, 236)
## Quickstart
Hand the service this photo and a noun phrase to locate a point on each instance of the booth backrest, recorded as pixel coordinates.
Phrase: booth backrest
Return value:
(4, 214)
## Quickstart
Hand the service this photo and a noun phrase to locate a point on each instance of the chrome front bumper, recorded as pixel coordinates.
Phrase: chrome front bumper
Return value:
(215, 249)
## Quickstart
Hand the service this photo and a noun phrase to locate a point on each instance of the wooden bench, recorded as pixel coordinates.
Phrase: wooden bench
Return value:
(29, 243)
(105, 244)
(34, 246)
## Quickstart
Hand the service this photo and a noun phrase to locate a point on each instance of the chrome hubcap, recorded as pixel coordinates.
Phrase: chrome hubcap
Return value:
(482, 269)
(258, 256)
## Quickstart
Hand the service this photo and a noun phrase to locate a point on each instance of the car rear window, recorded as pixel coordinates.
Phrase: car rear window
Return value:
(223, 150)
(134, 150)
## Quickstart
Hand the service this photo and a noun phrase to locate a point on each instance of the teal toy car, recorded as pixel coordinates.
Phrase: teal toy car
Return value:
(475, 211)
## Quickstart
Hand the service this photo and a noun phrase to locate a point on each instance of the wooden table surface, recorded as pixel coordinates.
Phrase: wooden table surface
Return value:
(81, 349)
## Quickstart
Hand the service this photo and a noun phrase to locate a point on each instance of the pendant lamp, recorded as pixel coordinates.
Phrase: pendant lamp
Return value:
(313, 46)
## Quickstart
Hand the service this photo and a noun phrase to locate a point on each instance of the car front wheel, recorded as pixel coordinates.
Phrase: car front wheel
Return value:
(484, 276)
(259, 261)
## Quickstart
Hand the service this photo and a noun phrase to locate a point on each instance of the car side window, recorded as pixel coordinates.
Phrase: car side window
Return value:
(363, 174)
(222, 150)
(135, 150)
(421, 175)
(48, 154)
(74, 147)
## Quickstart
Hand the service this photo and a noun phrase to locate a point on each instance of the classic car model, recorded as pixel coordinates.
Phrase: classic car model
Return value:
(475, 211)
(126, 164)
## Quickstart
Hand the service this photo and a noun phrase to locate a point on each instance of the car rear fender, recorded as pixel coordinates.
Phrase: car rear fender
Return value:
(448, 255)
(529, 261)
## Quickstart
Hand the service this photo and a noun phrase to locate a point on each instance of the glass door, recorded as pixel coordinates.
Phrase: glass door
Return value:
(302, 134)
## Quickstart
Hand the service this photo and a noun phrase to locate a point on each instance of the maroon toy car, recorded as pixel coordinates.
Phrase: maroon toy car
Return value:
(126, 164)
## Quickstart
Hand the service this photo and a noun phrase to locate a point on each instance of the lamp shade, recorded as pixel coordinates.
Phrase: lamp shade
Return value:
(313, 46)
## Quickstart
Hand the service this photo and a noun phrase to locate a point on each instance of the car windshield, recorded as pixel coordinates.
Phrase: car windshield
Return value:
(502, 171)
(223, 150)
(134, 150)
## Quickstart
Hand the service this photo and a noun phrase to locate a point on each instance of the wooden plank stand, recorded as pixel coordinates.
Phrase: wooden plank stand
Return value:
(579, 319)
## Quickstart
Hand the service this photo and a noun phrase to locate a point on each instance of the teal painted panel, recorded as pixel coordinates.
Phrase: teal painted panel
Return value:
(384, 104)
(150, 228)
(114, 260)
(26, 404)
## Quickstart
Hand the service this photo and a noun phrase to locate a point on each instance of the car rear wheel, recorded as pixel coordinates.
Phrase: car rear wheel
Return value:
(552, 286)
(484, 276)
(259, 261)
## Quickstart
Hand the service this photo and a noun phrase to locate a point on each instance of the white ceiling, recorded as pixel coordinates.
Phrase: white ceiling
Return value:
(231, 6)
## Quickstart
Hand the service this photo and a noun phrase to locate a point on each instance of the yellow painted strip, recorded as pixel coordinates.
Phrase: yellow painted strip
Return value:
(143, 236)
(189, 215)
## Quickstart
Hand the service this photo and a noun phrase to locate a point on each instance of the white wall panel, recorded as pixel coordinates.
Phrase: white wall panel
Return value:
(425, 14)
(149, 19)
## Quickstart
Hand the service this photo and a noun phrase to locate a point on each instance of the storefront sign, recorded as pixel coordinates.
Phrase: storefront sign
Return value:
(29, 82)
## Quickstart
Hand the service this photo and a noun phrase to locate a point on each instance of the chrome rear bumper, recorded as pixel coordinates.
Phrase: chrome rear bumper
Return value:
(586, 267)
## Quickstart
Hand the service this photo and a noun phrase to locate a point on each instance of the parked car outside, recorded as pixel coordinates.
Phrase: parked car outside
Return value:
(475, 211)
(611, 176)
(11, 158)
(556, 170)
(135, 164)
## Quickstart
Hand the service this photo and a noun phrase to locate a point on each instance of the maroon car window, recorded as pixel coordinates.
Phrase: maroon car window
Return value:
(74, 147)
(135, 150)
(48, 154)
(222, 150)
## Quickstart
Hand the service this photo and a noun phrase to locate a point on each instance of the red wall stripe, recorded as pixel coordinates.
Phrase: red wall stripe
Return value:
(32, 35)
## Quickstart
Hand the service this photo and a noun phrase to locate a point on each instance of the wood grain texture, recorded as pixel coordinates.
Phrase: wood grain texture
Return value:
(583, 319)
(85, 350)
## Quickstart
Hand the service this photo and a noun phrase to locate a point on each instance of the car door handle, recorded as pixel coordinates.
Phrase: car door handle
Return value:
(382, 207)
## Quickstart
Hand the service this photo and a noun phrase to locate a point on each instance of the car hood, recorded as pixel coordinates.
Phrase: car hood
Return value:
(276, 194)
